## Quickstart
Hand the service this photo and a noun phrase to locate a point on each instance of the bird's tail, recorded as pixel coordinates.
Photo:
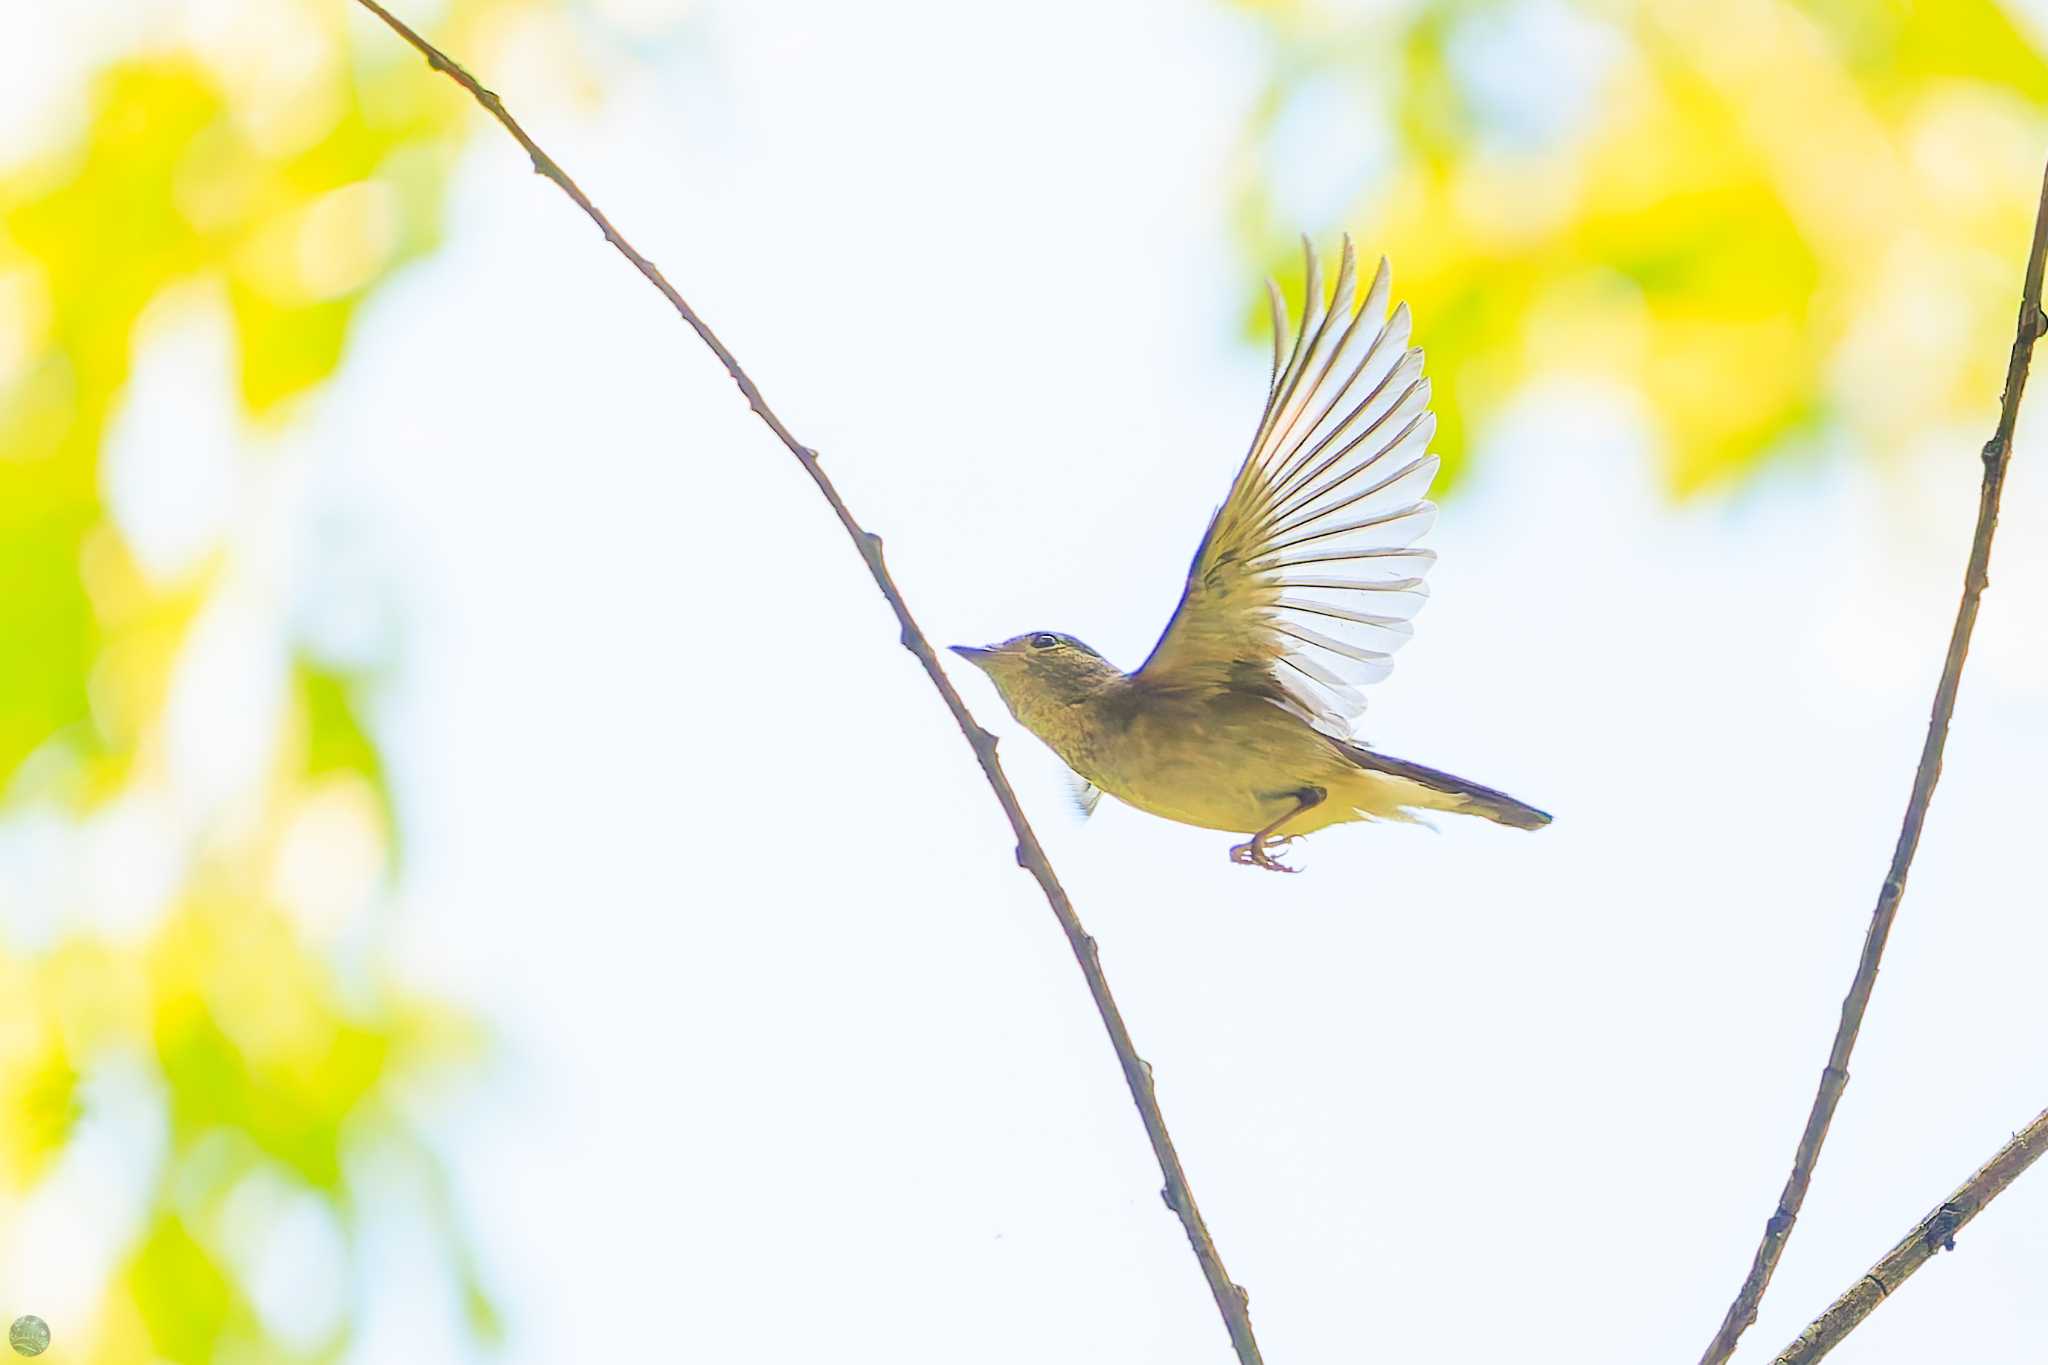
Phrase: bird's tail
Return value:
(1428, 789)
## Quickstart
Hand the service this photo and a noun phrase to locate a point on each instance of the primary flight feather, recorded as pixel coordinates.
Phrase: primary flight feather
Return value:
(1305, 584)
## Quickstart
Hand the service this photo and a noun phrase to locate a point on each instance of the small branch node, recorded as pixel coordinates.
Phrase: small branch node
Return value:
(1939, 1232)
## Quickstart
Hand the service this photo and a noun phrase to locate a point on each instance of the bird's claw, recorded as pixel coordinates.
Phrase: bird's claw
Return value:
(1255, 853)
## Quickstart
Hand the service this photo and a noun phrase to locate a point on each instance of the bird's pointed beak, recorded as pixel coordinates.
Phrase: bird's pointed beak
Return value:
(974, 654)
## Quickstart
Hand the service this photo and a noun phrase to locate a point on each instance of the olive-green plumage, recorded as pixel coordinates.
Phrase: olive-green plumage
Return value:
(1303, 587)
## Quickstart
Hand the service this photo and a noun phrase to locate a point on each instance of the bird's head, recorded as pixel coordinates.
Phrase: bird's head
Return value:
(1042, 673)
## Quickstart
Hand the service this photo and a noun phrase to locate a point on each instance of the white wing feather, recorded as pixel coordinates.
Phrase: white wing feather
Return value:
(1309, 574)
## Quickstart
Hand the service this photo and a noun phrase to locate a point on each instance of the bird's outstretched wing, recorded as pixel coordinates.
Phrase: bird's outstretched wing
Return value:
(1308, 577)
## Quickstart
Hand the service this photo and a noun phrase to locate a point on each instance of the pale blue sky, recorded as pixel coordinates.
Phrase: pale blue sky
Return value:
(797, 1065)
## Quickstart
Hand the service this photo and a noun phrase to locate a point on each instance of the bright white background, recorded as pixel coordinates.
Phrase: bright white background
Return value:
(796, 1065)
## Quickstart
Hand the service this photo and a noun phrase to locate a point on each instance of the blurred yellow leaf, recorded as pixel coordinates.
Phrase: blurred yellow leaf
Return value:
(185, 1296)
(289, 162)
(100, 230)
(1767, 219)
(43, 1092)
(167, 183)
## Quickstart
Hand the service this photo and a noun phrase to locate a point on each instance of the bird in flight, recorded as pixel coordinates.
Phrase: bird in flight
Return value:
(1304, 586)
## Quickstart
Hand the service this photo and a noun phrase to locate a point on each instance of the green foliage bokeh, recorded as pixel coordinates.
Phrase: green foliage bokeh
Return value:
(282, 201)
(1772, 223)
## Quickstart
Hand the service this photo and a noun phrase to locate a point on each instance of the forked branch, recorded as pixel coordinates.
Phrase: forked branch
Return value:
(1230, 1300)
(1834, 1077)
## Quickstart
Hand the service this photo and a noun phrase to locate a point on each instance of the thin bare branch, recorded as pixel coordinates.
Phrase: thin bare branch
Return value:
(1231, 1301)
(1834, 1077)
(1936, 1232)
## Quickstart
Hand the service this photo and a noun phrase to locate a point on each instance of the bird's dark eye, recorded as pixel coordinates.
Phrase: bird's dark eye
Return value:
(1045, 641)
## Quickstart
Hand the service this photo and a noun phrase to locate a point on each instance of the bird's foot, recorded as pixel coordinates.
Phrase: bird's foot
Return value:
(1257, 852)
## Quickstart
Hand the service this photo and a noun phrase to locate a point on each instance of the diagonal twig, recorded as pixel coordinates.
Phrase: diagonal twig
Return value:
(1936, 1232)
(1231, 1301)
(1834, 1077)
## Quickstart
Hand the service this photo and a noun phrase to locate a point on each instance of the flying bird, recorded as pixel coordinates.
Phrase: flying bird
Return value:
(1305, 584)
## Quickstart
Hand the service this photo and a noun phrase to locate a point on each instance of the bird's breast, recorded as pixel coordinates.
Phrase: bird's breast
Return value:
(1217, 762)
